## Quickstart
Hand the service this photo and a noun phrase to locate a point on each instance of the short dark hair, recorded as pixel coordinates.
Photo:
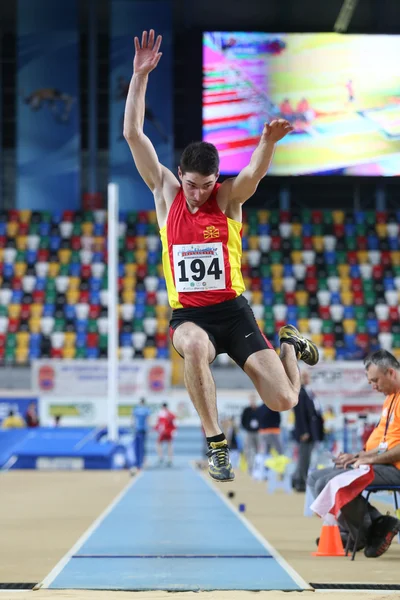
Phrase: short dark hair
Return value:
(382, 359)
(200, 157)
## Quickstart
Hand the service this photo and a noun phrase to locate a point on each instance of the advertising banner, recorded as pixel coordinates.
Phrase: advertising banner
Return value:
(48, 128)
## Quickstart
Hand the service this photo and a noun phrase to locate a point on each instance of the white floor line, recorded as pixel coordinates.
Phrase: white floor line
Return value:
(382, 593)
(279, 559)
(65, 559)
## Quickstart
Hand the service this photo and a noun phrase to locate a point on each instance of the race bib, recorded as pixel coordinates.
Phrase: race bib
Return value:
(199, 267)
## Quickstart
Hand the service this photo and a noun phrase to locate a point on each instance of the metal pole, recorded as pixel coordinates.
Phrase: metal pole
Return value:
(112, 400)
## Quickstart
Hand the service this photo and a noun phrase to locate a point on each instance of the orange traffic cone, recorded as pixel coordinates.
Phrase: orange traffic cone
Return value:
(330, 542)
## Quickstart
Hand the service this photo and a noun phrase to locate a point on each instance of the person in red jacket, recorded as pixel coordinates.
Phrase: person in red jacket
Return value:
(165, 426)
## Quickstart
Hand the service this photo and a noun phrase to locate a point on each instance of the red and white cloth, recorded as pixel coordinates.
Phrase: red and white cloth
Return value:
(340, 490)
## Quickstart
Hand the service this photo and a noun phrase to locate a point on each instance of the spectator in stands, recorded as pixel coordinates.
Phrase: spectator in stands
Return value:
(31, 417)
(250, 424)
(269, 433)
(57, 420)
(308, 429)
(382, 451)
(13, 421)
(141, 414)
(165, 427)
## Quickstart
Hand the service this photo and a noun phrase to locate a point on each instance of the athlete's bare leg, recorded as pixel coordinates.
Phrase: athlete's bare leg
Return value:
(277, 380)
(194, 345)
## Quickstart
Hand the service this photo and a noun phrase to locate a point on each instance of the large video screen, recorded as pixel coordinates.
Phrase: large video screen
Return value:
(341, 93)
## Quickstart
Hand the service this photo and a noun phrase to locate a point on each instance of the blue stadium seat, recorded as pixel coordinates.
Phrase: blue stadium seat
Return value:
(330, 257)
(355, 271)
(162, 353)
(359, 217)
(55, 242)
(40, 284)
(268, 298)
(307, 229)
(264, 229)
(335, 298)
(393, 243)
(81, 325)
(125, 339)
(69, 311)
(348, 312)
(95, 284)
(75, 269)
(287, 270)
(31, 257)
(350, 230)
(81, 340)
(372, 326)
(44, 229)
(48, 310)
(373, 242)
(92, 353)
(16, 297)
(94, 297)
(98, 229)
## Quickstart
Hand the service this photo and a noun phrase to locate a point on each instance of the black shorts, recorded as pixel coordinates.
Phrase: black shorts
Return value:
(231, 327)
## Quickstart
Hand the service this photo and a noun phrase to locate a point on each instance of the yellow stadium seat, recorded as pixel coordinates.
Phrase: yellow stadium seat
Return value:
(20, 269)
(263, 216)
(72, 296)
(338, 217)
(301, 298)
(362, 257)
(245, 257)
(74, 283)
(297, 229)
(260, 323)
(1, 254)
(396, 352)
(329, 354)
(64, 256)
(253, 242)
(87, 228)
(162, 325)
(162, 311)
(381, 230)
(396, 258)
(34, 325)
(24, 216)
(347, 298)
(141, 242)
(69, 339)
(68, 352)
(12, 228)
(317, 338)
(54, 269)
(36, 310)
(22, 338)
(141, 257)
(99, 243)
(160, 271)
(245, 229)
(150, 352)
(277, 283)
(152, 217)
(14, 310)
(130, 269)
(128, 283)
(349, 325)
(345, 284)
(318, 243)
(257, 297)
(21, 354)
(22, 242)
(297, 257)
(276, 271)
(128, 296)
(302, 325)
(343, 270)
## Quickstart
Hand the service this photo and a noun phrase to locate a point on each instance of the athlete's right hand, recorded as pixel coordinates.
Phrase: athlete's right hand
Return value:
(147, 55)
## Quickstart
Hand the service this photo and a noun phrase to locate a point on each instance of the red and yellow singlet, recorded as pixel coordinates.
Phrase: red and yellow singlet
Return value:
(201, 254)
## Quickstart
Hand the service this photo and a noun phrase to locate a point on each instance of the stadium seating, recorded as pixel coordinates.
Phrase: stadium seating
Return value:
(334, 275)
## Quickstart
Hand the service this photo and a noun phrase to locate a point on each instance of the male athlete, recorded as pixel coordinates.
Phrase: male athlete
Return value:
(200, 227)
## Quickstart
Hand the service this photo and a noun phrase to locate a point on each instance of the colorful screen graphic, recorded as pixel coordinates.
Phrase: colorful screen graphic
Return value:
(341, 93)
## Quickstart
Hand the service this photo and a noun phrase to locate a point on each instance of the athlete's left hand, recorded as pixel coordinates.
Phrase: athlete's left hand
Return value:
(276, 130)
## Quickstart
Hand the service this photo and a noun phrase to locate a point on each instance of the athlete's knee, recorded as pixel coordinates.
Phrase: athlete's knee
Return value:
(195, 345)
(282, 401)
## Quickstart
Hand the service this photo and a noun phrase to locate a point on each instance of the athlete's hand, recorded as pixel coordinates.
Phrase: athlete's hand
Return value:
(147, 55)
(276, 130)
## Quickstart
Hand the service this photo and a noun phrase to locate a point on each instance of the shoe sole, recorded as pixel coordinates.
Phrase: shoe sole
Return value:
(386, 544)
(314, 358)
(222, 480)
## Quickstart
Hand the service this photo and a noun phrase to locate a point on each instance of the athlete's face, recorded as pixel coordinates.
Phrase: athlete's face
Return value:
(197, 188)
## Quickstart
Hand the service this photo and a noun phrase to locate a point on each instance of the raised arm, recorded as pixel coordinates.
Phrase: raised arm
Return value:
(147, 57)
(241, 188)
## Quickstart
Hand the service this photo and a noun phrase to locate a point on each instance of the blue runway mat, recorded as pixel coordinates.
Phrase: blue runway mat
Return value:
(172, 531)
